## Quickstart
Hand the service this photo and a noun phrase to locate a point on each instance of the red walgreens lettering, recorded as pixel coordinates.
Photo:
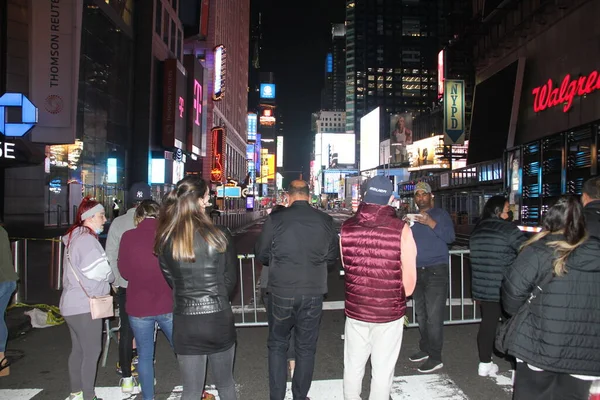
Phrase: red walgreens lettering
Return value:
(547, 95)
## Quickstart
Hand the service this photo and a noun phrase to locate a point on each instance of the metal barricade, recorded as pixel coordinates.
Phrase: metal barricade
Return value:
(247, 313)
(460, 307)
(39, 265)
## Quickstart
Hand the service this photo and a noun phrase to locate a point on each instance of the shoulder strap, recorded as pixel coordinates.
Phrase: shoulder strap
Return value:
(75, 273)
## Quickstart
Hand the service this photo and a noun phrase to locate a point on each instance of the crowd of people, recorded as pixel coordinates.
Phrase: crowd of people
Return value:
(173, 270)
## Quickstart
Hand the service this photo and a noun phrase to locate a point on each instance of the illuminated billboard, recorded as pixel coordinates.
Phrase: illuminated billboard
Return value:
(369, 140)
(334, 181)
(217, 167)
(279, 151)
(329, 63)
(267, 90)
(195, 101)
(220, 70)
(401, 135)
(252, 126)
(334, 149)
(267, 167)
(267, 118)
(422, 154)
(441, 73)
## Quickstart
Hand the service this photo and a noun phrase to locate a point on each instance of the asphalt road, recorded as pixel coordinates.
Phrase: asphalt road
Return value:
(42, 372)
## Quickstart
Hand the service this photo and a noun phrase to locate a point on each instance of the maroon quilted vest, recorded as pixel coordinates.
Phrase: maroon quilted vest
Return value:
(373, 270)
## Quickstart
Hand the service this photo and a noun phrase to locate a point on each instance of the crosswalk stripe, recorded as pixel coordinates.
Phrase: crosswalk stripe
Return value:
(413, 387)
(18, 394)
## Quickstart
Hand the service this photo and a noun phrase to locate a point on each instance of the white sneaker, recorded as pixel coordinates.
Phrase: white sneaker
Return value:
(128, 384)
(75, 396)
(488, 369)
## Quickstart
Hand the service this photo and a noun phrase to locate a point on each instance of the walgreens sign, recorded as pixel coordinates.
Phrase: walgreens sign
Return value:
(547, 96)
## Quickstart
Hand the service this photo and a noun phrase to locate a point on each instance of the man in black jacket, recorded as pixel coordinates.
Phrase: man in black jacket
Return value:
(300, 245)
(591, 205)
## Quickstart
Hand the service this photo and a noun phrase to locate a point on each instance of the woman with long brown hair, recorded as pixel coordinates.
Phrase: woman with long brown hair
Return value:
(557, 345)
(86, 274)
(198, 260)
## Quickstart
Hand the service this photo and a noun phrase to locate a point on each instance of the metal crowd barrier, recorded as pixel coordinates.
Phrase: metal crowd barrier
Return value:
(460, 307)
(37, 262)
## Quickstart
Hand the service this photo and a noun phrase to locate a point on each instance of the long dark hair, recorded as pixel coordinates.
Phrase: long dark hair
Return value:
(564, 217)
(493, 207)
(86, 204)
(181, 216)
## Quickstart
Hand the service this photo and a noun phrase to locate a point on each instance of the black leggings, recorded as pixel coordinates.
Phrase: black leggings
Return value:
(490, 315)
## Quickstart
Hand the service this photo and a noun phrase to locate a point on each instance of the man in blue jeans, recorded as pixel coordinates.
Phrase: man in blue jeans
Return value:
(300, 245)
(433, 231)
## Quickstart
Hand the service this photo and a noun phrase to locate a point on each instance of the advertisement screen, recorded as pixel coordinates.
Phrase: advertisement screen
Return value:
(250, 152)
(441, 73)
(267, 118)
(249, 203)
(174, 105)
(333, 149)
(279, 151)
(334, 181)
(111, 167)
(252, 126)
(422, 154)
(369, 140)
(401, 135)
(267, 90)
(157, 171)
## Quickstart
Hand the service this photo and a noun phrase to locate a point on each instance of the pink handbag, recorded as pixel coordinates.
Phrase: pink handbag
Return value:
(100, 306)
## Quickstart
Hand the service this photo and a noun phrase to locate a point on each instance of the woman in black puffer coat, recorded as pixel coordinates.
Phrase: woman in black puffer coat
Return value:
(494, 244)
(557, 344)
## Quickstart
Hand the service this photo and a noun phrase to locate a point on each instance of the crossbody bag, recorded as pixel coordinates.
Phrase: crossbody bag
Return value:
(100, 306)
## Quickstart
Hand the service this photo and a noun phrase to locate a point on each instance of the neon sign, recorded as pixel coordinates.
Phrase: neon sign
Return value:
(217, 170)
(547, 96)
(219, 84)
(197, 102)
(7, 150)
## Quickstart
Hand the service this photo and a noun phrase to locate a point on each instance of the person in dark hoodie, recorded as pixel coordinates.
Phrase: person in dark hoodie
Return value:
(591, 205)
(494, 244)
(557, 345)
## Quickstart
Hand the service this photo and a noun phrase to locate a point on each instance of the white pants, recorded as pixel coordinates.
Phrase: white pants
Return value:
(380, 341)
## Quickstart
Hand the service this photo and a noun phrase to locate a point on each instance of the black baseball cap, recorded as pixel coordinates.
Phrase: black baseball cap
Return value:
(138, 192)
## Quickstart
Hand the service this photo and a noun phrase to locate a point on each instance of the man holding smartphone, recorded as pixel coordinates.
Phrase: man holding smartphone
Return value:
(433, 232)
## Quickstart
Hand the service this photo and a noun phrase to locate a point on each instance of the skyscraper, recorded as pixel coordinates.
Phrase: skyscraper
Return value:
(333, 96)
(391, 50)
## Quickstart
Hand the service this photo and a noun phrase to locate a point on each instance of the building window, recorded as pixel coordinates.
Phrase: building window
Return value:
(166, 28)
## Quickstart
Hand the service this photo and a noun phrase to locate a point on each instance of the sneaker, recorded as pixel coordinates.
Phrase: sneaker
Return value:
(487, 369)
(430, 366)
(419, 356)
(207, 396)
(128, 384)
(75, 396)
(135, 360)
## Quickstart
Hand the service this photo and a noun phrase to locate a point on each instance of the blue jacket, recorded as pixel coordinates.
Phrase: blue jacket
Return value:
(432, 244)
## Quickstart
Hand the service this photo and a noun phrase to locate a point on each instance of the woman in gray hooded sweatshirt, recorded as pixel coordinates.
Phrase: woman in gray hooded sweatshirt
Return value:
(86, 270)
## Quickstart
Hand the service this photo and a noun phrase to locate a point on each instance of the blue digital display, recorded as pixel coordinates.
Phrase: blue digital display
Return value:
(250, 152)
(329, 63)
(267, 90)
(230, 191)
(252, 126)
(249, 203)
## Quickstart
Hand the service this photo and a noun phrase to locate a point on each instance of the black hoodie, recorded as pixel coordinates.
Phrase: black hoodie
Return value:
(562, 330)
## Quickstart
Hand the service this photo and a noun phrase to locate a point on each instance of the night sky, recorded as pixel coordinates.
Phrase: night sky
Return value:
(296, 38)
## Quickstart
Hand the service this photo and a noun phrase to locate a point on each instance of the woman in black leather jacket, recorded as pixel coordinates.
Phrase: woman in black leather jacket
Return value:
(198, 260)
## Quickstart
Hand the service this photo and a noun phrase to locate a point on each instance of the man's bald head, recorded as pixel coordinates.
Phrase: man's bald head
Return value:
(298, 190)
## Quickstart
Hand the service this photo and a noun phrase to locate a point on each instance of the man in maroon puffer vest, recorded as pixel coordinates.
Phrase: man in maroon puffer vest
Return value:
(379, 257)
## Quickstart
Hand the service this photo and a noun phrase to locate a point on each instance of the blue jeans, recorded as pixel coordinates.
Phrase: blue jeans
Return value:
(303, 315)
(6, 290)
(143, 330)
(430, 297)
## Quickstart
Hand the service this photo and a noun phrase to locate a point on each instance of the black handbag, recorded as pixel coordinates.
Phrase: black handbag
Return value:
(506, 331)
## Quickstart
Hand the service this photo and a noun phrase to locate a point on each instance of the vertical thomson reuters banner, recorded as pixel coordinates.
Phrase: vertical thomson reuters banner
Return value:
(54, 67)
(454, 111)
